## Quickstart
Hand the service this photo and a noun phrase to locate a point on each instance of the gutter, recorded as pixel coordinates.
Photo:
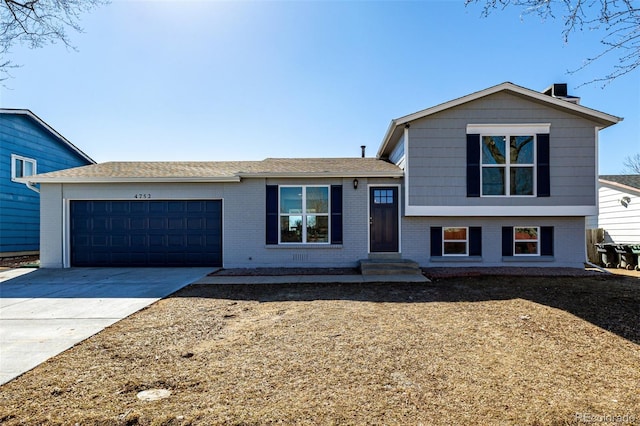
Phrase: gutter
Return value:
(32, 186)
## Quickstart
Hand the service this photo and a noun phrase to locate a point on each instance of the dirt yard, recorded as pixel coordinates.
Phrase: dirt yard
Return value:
(466, 350)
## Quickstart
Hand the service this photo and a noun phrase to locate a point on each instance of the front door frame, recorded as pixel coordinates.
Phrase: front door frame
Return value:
(399, 220)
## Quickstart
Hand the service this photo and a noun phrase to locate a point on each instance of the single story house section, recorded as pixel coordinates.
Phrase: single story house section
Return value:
(500, 177)
(619, 209)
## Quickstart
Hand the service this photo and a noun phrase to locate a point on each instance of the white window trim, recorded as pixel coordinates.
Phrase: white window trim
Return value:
(530, 128)
(466, 241)
(508, 130)
(15, 157)
(304, 215)
(507, 166)
(537, 241)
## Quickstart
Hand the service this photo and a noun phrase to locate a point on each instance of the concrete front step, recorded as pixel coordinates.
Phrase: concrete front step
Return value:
(389, 267)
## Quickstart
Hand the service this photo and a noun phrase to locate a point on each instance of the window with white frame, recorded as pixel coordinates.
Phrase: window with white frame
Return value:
(304, 214)
(508, 165)
(455, 241)
(22, 166)
(526, 241)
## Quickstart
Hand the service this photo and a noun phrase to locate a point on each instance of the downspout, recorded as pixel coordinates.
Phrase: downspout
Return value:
(32, 186)
(600, 268)
(586, 256)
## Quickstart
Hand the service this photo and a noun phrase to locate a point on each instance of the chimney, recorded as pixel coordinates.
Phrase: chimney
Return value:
(559, 91)
(363, 148)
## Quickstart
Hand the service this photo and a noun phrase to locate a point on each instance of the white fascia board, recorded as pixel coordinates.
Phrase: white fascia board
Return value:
(132, 180)
(466, 211)
(387, 138)
(617, 185)
(514, 88)
(398, 174)
(49, 129)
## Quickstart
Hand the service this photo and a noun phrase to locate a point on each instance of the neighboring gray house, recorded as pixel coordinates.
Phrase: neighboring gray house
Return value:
(500, 177)
(619, 209)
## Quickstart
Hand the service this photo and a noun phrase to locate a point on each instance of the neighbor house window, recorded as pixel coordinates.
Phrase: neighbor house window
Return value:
(455, 241)
(526, 241)
(304, 214)
(22, 166)
(508, 165)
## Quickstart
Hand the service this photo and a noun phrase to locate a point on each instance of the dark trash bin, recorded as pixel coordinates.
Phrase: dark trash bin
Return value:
(627, 258)
(635, 249)
(608, 255)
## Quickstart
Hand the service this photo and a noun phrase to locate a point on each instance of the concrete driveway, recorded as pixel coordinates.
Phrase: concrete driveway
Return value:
(46, 311)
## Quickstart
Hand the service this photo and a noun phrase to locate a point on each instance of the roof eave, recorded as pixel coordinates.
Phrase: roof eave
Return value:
(47, 180)
(620, 185)
(351, 174)
(50, 129)
(605, 119)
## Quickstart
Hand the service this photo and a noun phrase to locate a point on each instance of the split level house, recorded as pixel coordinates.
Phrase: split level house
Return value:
(501, 177)
(28, 146)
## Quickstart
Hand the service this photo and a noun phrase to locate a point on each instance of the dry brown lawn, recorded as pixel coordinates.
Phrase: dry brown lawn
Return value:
(479, 350)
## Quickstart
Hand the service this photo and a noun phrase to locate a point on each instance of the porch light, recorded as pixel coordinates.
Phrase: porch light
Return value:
(355, 184)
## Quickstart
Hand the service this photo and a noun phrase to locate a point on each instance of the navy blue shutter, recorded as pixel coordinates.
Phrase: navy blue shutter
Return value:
(473, 165)
(507, 241)
(546, 240)
(475, 241)
(336, 214)
(272, 215)
(544, 172)
(436, 241)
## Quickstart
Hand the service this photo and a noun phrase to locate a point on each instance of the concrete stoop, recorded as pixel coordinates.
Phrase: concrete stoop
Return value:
(389, 267)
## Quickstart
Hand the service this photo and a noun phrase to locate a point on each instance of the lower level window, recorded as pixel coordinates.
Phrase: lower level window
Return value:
(455, 241)
(526, 241)
(304, 214)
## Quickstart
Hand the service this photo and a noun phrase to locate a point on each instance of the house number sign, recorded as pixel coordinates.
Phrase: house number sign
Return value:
(142, 196)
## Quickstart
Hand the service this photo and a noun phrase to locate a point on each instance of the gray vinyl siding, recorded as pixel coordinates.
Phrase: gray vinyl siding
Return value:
(569, 241)
(244, 220)
(437, 153)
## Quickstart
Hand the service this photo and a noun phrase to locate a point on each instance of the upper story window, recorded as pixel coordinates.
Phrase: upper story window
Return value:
(22, 166)
(508, 164)
(304, 214)
(508, 160)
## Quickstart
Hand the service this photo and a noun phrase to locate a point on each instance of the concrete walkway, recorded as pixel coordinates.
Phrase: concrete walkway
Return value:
(43, 312)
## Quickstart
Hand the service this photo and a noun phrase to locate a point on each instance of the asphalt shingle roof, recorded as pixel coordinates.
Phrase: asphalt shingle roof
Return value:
(288, 167)
(628, 180)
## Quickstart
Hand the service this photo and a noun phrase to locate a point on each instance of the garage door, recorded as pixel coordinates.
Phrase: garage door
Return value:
(146, 233)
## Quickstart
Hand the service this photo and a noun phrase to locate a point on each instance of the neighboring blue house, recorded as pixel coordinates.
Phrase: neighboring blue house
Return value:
(28, 146)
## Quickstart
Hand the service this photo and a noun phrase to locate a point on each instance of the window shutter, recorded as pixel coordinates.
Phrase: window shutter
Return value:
(546, 240)
(475, 241)
(336, 214)
(473, 165)
(436, 241)
(544, 171)
(507, 241)
(272, 215)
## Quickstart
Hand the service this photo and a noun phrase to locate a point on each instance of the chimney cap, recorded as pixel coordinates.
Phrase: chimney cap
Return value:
(559, 91)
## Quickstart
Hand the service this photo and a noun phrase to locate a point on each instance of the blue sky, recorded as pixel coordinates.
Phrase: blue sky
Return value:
(205, 80)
